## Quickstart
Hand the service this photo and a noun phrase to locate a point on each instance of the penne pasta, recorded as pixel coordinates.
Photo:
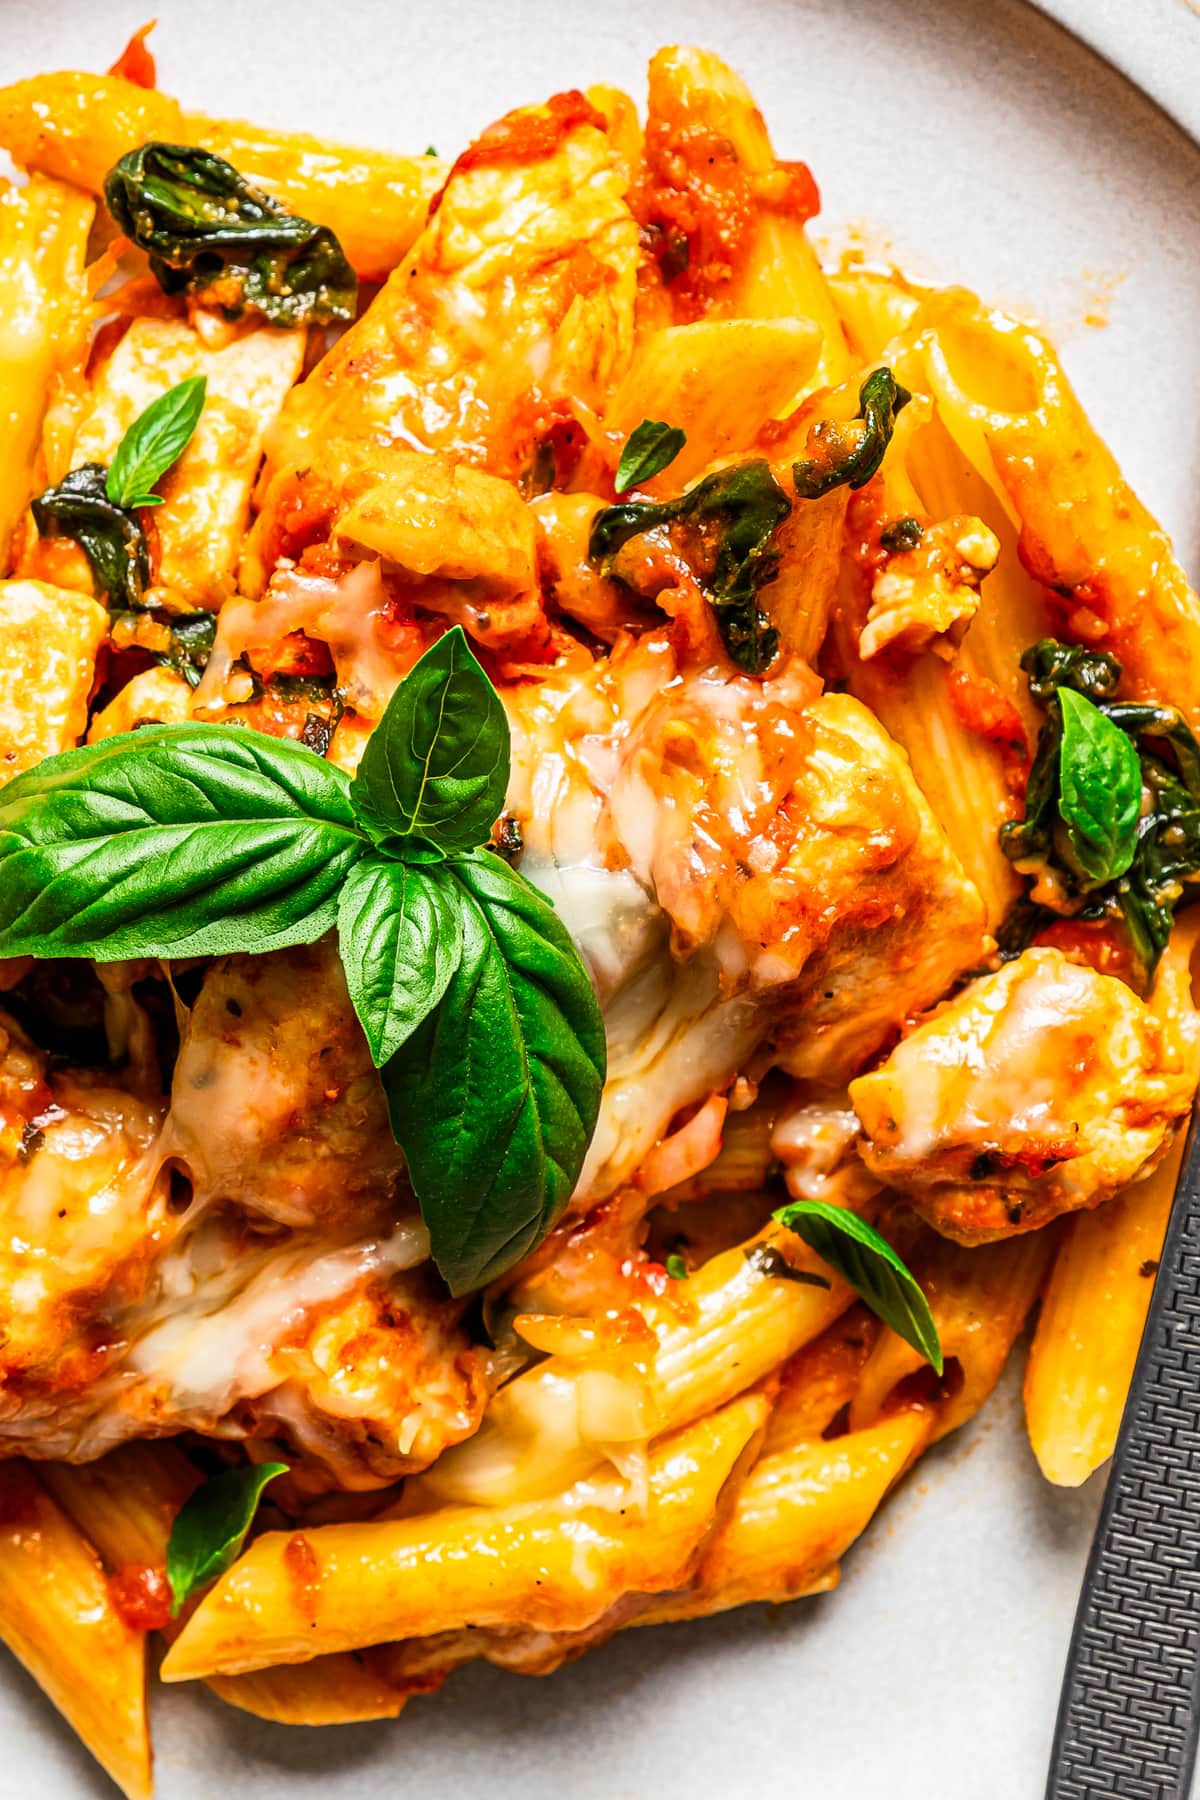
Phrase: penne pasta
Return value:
(558, 1563)
(44, 316)
(1090, 1326)
(58, 1617)
(77, 126)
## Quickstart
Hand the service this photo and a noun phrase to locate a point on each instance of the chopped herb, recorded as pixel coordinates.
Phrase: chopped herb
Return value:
(95, 506)
(901, 534)
(849, 458)
(648, 451)
(209, 233)
(770, 1261)
(429, 150)
(726, 523)
(676, 1268)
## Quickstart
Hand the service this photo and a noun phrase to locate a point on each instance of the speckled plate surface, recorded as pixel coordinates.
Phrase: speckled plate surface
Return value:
(973, 143)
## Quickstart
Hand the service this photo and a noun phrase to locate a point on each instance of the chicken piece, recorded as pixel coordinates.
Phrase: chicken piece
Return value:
(149, 1280)
(445, 538)
(523, 279)
(152, 697)
(1040, 1089)
(49, 638)
(926, 597)
(748, 868)
(83, 1213)
(275, 1103)
(206, 496)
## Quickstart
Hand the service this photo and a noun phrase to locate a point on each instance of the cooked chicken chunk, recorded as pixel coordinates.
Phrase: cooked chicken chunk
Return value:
(206, 505)
(748, 867)
(275, 1104)
(524, 278)
(250, 1267)
(49, 637)
(1039, 1089)
(927, 596)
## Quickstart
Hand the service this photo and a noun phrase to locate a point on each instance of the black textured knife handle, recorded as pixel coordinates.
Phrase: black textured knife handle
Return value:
(1128, 1717)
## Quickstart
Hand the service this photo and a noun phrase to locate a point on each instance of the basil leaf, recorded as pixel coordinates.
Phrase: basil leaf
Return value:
(154, 442)
(400, 938)
(110, 538)
(1100, 788)
(210, 233)
(857, 1252)
(494, 1097)
(852, 463)
(210, 1528)
(176, 840)
(675, 1266)
(727, 522)
(434, 773)
(648, 451)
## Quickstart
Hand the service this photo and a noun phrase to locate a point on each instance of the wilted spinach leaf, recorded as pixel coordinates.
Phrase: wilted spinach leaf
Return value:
(849, 458)
(111, 538)
(725, 526)
(210, 233)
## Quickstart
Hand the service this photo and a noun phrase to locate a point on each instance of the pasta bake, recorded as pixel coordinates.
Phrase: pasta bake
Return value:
(596, 824)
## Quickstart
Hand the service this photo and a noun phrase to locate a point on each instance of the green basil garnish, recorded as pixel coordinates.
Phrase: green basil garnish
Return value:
(434, 773)
(95, 506)
(210, 1528)
(851, 461)
(494, 1096)
(110, 538)
(675, 1266)
(154, 442)
(857, 1252)
(198, 840)
(649, 450)
(400, 933)
(726, 524)
(1099, 789)
(209, 233)
(1113, 855)
(175, 840)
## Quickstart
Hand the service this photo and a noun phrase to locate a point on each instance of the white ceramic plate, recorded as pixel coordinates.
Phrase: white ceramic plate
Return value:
(981, 144)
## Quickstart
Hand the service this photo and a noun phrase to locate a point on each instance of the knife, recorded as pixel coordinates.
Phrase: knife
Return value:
(1128, 1717)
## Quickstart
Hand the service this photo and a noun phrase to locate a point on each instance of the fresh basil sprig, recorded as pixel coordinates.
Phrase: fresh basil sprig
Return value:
(1099, 789)
(649, 450)
(195, 840)
(210, 1528)
(154, 443)
(95, 506)
(861, 1256)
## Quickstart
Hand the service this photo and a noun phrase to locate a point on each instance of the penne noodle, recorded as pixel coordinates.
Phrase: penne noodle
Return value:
(76, 126)
(779, 276)
(721, 380)
(44, 317)
(1090, 1326)
(59, 1619)
(734, 1324)
(795, 1517)
(557, 1564)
